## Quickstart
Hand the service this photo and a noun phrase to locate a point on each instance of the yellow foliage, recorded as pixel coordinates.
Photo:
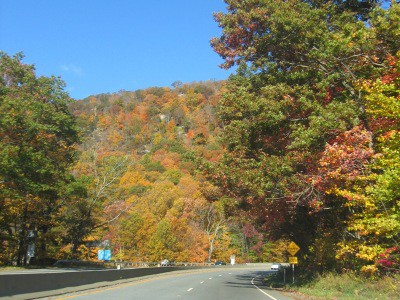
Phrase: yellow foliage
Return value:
(368, 253)
(131, 200)
(189, 186)
(132, 178)
(369, 269)
(104, 121)
(157, 139)
(115, 138)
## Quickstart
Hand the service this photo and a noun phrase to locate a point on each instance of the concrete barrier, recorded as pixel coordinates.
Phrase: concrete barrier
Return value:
(18, 284)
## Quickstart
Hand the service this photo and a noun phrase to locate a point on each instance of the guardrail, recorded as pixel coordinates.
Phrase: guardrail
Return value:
(55, 283)
(115, 264)
(141, 264)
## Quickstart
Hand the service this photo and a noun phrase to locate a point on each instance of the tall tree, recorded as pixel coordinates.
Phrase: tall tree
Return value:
(95, 199)
(300, 64)
(37, 145)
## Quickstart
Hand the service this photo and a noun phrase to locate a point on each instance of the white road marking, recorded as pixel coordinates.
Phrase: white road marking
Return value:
(265, 293)
(219, 275)
(202, 282)
(190, 289)
(210, 278)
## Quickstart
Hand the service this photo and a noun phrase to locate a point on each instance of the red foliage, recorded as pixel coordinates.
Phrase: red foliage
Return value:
(390, 259)
(249, 230)
(343, 162)
(347, 157)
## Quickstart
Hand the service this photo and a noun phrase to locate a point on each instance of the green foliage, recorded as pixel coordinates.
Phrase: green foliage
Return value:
(310, 75)
(38, 136)
(163, 242)
(139, 190)
(174, 176)
(152, 166)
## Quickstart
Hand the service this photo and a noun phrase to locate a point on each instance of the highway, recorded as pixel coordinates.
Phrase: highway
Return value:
(221, 283)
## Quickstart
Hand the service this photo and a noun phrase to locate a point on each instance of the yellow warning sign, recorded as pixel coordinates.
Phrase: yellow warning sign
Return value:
(293, 260)
(293, 248)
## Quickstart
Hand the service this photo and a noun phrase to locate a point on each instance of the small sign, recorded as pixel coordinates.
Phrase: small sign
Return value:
(233, 259)
(104, 255)
(293, 260)
(293, 248)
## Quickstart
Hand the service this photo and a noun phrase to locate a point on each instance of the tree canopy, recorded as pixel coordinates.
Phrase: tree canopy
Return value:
(38, 137)
(301, 121)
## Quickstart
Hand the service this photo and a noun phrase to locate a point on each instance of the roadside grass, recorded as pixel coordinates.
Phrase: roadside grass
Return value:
(16, 268)
(341, 286)
(10, 268)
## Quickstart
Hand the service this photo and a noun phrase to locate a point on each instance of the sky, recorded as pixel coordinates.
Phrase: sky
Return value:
(104, 46)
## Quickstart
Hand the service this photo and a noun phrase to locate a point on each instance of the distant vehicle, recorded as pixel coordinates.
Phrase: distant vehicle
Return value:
(165, 263)
(276, 267)
(220, 263)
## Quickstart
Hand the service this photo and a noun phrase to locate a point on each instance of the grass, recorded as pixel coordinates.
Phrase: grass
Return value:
(15, 268)
(341, 286)
(8, 268)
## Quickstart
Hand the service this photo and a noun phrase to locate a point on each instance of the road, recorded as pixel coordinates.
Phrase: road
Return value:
(217, 284)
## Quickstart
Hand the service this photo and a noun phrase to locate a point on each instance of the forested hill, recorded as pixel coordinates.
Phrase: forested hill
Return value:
(146, 120)
(145, 196)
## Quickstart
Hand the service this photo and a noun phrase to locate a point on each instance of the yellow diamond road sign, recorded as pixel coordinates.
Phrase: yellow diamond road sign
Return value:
(293, 248)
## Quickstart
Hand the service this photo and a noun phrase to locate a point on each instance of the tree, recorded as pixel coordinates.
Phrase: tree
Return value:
(176, 84)
(38, 139)
(163, 243)
(213, 225)
(94, 203)
(374, 226)
(296, 91)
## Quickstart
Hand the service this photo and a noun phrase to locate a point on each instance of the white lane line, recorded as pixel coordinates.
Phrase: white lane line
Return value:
(190, 289)
(230, 273)
(219, 275)
(210, 278)
(202, 282)
(265, 293)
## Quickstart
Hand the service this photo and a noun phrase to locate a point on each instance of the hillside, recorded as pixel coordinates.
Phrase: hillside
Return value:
(145, 195)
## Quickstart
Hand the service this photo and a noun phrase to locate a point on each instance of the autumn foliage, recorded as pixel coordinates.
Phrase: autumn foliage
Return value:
(311, 122)
(301, 144)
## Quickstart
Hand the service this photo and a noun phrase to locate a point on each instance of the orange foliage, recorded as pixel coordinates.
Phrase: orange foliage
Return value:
(131, 123)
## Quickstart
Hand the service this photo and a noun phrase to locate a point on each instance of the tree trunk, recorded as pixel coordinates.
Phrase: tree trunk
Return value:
(21, 257)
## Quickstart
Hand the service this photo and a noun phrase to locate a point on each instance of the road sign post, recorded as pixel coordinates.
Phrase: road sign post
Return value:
(293, 272)
(292, 248)
(284, 276)
(293, 261)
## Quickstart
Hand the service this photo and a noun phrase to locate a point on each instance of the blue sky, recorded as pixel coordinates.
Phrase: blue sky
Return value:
(100, 46)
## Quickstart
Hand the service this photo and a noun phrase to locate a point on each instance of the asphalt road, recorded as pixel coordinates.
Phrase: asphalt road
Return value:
(217, 284)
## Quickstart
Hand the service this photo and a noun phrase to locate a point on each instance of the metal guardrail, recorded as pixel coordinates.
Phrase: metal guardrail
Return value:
(141, 264)
(116, 264)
